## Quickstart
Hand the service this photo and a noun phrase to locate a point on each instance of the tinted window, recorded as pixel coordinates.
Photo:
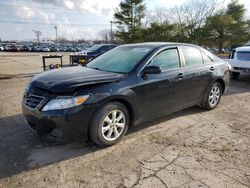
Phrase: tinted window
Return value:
(121, 59)
(244, 56)
(192, 56)
(105, 48)
(168, 59)
(206, 58)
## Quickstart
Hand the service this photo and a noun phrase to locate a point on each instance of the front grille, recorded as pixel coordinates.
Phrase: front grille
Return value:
(33, 101)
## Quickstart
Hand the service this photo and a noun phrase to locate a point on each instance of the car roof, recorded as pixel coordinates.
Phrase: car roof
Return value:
(105, 45)
(159, 44)
(243, 49)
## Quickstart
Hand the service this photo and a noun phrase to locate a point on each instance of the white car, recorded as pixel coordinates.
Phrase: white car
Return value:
(1, 48)
(45, 49)
(239, 59)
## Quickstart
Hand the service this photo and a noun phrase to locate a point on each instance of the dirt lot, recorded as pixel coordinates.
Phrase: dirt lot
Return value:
(192, 148)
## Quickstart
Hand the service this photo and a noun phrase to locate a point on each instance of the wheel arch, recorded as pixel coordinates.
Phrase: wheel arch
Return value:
(222, 83)
(129, 107)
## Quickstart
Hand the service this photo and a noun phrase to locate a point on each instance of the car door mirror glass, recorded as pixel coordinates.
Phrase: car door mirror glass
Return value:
(152, 70)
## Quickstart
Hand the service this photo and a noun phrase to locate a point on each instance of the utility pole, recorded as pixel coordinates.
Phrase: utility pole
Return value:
(56, 32)
(111, 31)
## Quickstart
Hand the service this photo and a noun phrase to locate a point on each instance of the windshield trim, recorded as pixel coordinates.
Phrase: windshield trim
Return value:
(105, 70)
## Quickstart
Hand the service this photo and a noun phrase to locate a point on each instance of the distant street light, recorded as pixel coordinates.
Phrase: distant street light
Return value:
(111, 30)
(56, 32)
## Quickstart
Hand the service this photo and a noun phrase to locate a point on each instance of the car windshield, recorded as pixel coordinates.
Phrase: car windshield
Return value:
(94, 48)
(245, 56)
(121, 59)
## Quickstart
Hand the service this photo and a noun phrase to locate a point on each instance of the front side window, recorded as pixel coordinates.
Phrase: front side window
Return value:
(168, 59)
(244, 56)
(192, 56)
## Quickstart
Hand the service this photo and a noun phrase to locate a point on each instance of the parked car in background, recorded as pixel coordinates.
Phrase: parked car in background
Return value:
(35, 49)
(78, 49)
(62, 49)
(94, 52)
(26, 48)
(54, 49)
(239, 59)
(126, 86)
(1, 48)
(71, 49)
(45, 49)
(7, 47)
(19, 47)
(14, 48)
(213, 50)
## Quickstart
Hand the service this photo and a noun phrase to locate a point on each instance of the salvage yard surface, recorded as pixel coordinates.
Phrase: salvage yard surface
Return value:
(191, 148)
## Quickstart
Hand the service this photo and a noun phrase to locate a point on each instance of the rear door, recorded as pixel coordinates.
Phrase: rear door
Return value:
(197, 74)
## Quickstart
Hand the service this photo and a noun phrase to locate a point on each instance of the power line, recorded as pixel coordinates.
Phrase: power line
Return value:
(33, 7)
(33, 22)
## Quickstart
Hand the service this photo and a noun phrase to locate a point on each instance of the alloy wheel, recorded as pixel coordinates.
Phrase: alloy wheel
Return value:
(113, 125)
(214, 96)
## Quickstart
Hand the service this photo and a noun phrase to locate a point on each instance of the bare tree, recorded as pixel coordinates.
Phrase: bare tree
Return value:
(161, 14)
(195, 12)
(193, 15)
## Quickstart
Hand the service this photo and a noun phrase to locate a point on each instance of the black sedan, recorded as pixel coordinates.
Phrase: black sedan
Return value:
(93, 52)
(126, 86)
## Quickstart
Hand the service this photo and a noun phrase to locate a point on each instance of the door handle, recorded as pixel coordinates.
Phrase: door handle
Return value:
(212, 68)
(180, 75)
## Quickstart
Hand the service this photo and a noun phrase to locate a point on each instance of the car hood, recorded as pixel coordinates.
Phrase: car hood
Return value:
(68, 79)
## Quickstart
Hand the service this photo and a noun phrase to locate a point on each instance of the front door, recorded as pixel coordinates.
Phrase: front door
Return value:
(160, 94)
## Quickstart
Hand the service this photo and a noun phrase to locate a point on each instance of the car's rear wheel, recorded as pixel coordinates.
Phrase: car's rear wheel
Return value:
(235, 75)
(109, 124)
(213, 96)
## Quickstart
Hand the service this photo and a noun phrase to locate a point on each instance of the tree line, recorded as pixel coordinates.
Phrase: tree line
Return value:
(202, 22)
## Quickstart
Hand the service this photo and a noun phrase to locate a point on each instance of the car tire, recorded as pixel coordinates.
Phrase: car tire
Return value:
(235, 75)
(109, 124)
(213, 96)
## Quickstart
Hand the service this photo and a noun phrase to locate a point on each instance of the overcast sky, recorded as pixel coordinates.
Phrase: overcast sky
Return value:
(76, 19)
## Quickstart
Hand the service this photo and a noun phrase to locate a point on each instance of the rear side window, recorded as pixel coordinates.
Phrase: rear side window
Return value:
(244, 56)
(168, 59)
(192, 56)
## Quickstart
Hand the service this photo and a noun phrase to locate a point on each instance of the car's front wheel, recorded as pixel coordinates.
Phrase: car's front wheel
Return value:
(213, 96)
(109, 124)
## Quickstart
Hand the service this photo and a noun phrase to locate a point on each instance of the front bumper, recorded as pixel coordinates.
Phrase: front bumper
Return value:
(241, 70)
(61, 125)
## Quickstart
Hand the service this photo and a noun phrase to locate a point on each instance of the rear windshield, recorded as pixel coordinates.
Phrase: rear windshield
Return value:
(245, 56)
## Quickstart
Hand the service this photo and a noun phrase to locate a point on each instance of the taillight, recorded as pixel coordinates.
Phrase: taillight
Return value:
(229, 67)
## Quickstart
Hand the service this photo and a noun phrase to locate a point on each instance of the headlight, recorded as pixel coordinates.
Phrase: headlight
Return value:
(63, 103)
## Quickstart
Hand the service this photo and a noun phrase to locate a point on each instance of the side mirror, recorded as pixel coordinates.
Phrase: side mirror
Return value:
(152, 70)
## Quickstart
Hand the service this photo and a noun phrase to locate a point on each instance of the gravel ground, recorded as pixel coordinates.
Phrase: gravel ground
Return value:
(192, 148)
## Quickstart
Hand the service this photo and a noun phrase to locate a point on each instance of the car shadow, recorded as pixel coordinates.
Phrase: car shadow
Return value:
(22, 150)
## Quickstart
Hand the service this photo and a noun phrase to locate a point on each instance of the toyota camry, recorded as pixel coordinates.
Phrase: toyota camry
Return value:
(126, 86)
